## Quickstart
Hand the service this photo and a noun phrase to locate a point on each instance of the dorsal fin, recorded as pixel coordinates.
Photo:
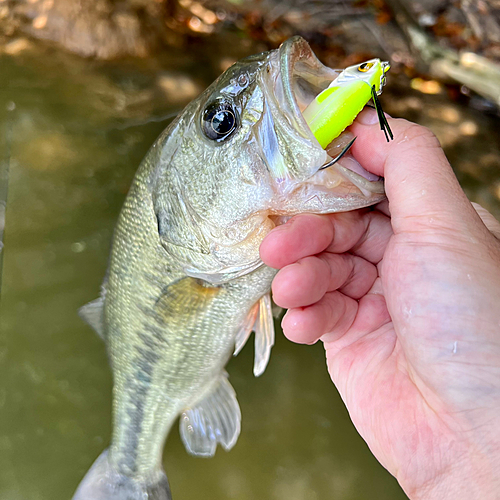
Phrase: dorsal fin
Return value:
(93, 313)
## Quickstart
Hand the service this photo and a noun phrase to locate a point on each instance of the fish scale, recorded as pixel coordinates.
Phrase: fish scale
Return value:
(185, 283)
(201, 312)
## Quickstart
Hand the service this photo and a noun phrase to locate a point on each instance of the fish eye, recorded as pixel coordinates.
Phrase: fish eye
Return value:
(365, 67)
(219, 120)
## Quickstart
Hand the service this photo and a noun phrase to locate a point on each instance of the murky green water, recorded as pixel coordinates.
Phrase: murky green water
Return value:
(79, 131)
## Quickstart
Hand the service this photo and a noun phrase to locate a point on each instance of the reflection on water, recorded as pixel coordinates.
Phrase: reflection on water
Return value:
(80, 130)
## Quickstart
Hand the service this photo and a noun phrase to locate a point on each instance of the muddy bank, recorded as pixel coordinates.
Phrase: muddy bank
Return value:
(108, 29)
(449, 41)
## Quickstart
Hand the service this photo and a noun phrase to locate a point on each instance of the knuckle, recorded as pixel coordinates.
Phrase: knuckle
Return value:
(350, 264)
(420, 136)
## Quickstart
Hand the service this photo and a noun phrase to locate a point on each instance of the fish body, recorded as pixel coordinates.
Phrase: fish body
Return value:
(185, 285)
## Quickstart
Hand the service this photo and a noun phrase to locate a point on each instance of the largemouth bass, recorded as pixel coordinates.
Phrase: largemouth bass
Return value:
(185, 285)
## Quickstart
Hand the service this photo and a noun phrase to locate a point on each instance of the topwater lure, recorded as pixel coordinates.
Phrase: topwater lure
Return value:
(336, 107)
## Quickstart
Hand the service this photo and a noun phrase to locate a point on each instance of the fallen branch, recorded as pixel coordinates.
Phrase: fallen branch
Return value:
(474, 71)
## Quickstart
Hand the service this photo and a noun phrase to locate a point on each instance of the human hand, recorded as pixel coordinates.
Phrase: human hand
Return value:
(406, 299)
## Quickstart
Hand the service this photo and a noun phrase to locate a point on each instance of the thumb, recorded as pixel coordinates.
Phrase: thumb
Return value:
(421, 187)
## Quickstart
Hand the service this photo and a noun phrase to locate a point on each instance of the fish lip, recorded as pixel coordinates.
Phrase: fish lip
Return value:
(375, 187)
(291, 52)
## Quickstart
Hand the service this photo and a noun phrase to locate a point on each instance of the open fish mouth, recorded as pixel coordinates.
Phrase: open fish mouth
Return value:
(302, 78)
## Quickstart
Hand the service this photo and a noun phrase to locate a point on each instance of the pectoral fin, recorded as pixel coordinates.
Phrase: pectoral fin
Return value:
(264, 335)
(277, 310)
(216, 419)
(260, 320)
(246, 329)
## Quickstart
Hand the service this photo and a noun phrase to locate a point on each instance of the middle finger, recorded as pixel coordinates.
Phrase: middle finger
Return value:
(305, 282)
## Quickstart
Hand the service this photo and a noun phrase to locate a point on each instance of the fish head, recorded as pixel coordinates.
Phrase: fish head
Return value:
(241, 158)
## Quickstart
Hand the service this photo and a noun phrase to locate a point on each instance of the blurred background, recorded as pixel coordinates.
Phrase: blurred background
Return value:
(85, 88)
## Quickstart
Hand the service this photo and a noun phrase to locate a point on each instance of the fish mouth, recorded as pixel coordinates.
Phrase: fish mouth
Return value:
(303, 77)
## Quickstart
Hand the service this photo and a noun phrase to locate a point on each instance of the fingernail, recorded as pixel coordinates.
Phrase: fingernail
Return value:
(368, 117)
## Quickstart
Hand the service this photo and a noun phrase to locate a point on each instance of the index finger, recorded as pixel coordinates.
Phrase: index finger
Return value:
(306, 235)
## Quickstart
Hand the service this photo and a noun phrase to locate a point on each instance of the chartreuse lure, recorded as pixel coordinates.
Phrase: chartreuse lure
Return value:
(337, 106)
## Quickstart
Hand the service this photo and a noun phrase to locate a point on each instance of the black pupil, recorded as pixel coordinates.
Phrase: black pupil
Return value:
(223, 122)
(363, 66)
(219, 120)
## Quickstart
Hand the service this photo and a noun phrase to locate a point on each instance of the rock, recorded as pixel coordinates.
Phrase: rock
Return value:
(17, 46)
(178, 87)
(94, 28)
